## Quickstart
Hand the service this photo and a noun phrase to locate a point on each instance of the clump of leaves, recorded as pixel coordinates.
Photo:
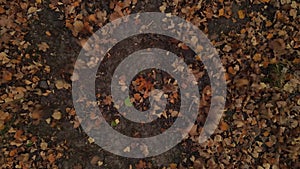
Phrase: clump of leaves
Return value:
(275, 75)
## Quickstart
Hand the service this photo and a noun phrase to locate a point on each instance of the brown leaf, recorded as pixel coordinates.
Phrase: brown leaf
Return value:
(241, 82)
(257, 57)
(277, 45)
(193, 131)
(107, 100)
(2, 10)
(51, 158)
(77, 27)
(95, 160)
(224, 126)
(173, 166)
(13, 152)
(6, 76)
(241, 14)
(43, 46)
(221, 12)
(231, 70)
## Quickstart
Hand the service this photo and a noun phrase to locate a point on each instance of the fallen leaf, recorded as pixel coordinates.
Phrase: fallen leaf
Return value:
(48, 33)
(6, 76)
(257, 57)
(56, 115)
(221, 12)
(241, 82)
(44, 145)
(32, 10)
(77, 27)
(2, 10)
(277, 45)
(107, 100)
(51, 158)
(43, 46)
(91, 140)
(224, 126)
(241, 14)
(173, 166)
(95, 160)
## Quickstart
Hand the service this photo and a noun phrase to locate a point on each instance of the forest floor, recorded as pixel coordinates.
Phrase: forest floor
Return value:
(258, 42)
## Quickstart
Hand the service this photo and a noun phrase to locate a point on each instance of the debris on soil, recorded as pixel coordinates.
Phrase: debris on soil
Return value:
(258, 42)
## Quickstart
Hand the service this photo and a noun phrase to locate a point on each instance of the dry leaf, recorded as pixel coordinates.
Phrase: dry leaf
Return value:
(224, 126)
(44, 145)
(257, 57)
(95, 160)
(51, 158)
(60, 84)
(241, 82)
(2, 125)
(277, 45)
(77, 27)
(231, 70)
(32, 10)
(241, 14)
(2, 10)
(48, 33)
(91, 140)
(193, 131)
(6, 76)
(43, 46)
(173, 166)
(221, 12)
(56, 115)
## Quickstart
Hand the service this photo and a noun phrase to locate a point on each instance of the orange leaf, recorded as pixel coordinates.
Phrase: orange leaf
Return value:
(224, 126)
(257, 57)
(2, 10)
(221, 12)
(137, 96)
(173, 166)
(51, 158)
(231, 70)
(13, 152)
(76, 3)
(92, 18)
(241, 14)
(7, 76)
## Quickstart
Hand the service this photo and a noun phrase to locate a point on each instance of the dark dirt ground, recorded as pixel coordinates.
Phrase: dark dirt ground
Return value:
(77, 152)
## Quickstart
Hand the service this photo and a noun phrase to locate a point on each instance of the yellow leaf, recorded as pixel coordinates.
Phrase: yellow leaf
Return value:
(173, 166)
(257, 57)
(44, 145)
(32, 10)
(56, 115)
(241, 14)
